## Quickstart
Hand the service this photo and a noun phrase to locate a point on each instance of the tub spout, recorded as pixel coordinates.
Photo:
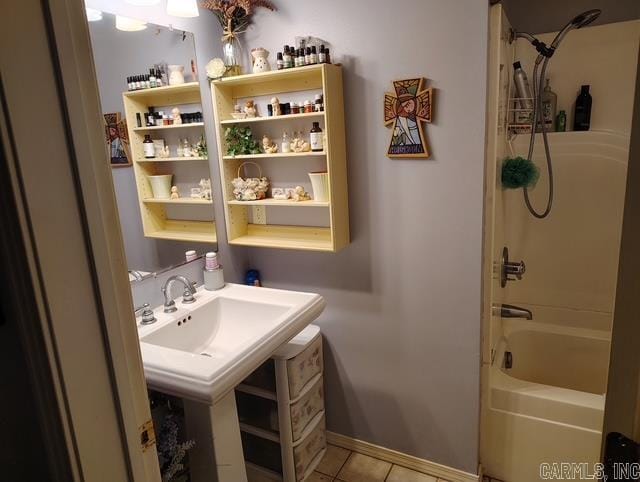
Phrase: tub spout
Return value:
(511, 311)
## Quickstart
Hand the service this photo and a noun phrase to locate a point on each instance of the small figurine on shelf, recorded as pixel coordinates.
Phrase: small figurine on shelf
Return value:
(299, 194)
(174, 192)
(298, 144)
(250, 109)
(177, 118)
(275, 107)
(268, 145)
(237, 113)
(279, 193)
(205, 189)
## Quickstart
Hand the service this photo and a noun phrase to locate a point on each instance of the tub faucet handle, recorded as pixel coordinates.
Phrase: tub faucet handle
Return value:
(510, 270)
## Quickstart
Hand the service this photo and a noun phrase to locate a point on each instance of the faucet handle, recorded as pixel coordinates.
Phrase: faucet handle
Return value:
(187, 296)
(515, 269)
(147, 314)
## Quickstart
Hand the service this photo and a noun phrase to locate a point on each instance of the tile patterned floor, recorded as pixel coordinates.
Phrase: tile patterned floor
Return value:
(341, 465)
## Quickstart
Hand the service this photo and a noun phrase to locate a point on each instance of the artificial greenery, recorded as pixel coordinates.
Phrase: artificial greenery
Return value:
(201, 147)
(519, 172)
(240, 141)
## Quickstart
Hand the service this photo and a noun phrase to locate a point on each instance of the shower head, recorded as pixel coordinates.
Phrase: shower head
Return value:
(579, 21)
(585, 18)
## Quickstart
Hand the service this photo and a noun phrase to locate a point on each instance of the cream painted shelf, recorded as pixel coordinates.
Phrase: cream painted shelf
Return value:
(252, 120)
(179, 230)
(155, 215)
(303, 238)
(278, 202)
(171, 127)
(276, 155)
(169, 90)
(173, 159)
(180, 201)
(242, 228)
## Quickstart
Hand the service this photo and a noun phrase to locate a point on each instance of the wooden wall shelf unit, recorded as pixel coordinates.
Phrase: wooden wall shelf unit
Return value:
(247, 222)
(155, 219)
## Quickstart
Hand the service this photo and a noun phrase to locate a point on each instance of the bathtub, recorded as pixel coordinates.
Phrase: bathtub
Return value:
(549, 406)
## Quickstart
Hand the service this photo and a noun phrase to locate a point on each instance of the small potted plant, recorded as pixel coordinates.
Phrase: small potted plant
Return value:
(234, 17)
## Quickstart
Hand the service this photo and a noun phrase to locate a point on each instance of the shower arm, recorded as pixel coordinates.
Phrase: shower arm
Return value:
(543, 49)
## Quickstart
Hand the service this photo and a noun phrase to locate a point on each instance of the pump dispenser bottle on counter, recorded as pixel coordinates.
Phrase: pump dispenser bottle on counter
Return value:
(213, 274)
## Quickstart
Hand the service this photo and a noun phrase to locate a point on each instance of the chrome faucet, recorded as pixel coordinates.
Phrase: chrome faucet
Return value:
(511, 311)
(187, 295)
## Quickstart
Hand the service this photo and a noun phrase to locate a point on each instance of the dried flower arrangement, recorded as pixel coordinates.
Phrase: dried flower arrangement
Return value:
(235, 15)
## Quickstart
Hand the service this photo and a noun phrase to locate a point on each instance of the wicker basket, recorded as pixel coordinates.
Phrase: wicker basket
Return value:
(250, 188)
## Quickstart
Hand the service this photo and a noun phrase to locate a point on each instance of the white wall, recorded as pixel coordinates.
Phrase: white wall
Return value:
(402, 325)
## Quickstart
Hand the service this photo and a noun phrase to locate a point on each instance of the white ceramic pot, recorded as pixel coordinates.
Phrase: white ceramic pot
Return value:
(260, 62)
(320, 185)
(161, 186)
(176, 74)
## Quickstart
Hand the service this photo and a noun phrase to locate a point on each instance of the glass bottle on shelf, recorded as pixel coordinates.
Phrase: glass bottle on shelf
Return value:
(286, 143)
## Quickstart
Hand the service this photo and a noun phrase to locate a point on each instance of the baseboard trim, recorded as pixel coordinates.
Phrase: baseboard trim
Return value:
(421, 465)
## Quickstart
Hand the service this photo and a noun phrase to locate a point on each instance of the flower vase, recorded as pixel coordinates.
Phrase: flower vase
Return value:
(232, 55)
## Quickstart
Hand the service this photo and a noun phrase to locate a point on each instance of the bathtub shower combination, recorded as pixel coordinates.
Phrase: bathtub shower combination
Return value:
(546, 360)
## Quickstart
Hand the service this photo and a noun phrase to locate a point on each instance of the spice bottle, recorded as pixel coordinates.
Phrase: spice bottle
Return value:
(307, 56)
(308, 107)
(286, 57)
(152, 78)
(319, 103)
(313, 58)
(322, 56)
(316, 138)
(280, 61)
(147, 146)
(295, 109)
(327, 56)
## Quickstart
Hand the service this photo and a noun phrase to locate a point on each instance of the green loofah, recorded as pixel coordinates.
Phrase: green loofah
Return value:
(519, 172)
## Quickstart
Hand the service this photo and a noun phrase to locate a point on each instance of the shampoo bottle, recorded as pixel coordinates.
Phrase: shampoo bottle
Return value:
(523, 91)
(549, 102)
(582, 115)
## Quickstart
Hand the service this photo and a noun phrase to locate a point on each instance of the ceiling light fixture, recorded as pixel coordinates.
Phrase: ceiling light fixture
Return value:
(182, 8)
(127, 24)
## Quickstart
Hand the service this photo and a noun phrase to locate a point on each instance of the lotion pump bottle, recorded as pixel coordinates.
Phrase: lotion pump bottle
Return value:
(213, 274)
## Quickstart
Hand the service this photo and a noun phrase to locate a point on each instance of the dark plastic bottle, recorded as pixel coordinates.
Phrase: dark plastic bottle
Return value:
(582, 114)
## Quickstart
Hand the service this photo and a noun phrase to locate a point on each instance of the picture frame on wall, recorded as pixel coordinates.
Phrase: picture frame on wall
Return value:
(405, 111)
(115, 128)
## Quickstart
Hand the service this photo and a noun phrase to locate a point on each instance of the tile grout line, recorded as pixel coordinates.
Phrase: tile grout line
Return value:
(390, 469)
(351, 452)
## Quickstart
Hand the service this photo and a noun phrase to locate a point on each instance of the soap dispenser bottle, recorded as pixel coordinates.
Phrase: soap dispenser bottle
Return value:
(549, 101)
(582, 115)
(213, 274)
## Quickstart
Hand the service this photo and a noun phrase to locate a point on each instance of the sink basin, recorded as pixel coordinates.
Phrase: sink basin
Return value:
(206, 348)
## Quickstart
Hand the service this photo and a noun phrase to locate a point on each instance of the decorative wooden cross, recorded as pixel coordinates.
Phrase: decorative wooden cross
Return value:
(407, 110)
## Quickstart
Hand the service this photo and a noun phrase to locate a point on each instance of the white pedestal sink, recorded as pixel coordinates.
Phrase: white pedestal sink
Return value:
(206, 348)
